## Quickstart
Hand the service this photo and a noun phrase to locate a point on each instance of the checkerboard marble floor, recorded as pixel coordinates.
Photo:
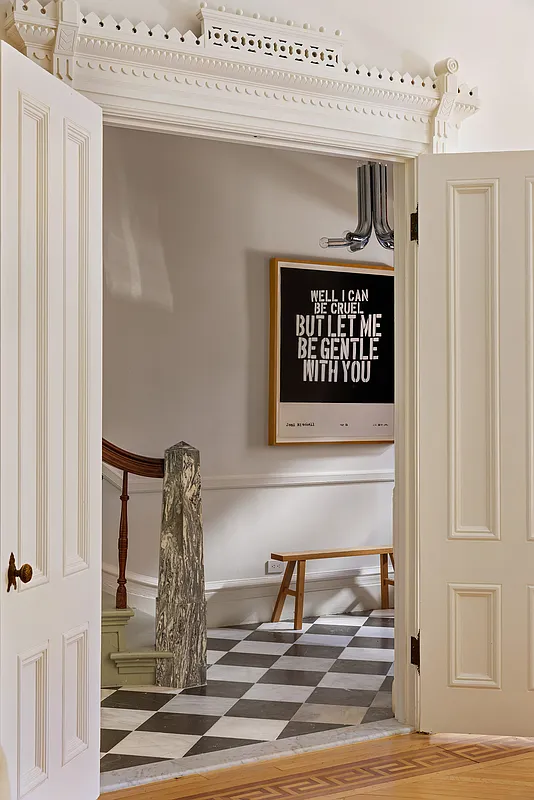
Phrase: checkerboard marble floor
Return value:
(265, 682)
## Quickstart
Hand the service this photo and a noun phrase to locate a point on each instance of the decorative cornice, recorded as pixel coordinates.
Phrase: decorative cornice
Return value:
(238, 65)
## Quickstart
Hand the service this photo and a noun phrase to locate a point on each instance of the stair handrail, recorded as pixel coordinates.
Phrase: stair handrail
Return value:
(130, 464)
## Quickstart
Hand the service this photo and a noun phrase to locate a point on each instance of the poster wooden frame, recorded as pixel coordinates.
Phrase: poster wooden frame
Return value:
(274, 349)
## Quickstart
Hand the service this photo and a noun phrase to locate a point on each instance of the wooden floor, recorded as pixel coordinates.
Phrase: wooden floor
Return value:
(412, 767)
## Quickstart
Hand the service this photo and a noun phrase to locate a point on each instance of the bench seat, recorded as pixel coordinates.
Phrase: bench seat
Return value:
(299, 560)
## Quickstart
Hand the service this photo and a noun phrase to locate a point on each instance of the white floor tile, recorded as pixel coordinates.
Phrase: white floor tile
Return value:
(343, 680)
(123, 719)
(343, 619)
(175, 746)
(328, 641)
(367, 654)
(227, 633)
(221, 672)
(307, 664)
(283, 694)
(391, 672)
(196, 704)
(286, 627)
(215, 655)
(336, 715)
(156, 745)
(106, 693)
(379, 633)
(266, 648)
(151, 689)
(264, 730)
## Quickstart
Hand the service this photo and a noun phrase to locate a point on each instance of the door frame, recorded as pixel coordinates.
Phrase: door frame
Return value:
(405, 530)
(221, 84)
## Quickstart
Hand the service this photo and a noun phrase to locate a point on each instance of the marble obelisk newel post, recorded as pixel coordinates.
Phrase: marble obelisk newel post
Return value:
(181, 603)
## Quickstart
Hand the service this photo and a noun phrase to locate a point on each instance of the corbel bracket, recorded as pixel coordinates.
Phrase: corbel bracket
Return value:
(66, 38)
(452, 108)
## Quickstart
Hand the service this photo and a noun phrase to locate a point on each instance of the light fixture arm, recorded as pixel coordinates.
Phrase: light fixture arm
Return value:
(379, 191)
(357, 239)
(372, 210)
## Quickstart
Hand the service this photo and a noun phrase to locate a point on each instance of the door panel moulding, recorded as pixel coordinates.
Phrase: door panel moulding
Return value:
(243, 78)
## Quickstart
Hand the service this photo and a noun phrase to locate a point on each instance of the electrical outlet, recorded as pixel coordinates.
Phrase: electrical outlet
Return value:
(273, 567)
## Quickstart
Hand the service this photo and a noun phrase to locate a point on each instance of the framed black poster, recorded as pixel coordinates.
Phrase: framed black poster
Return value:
(332, 353)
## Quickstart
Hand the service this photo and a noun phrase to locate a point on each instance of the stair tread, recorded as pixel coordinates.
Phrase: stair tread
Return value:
(141, 652)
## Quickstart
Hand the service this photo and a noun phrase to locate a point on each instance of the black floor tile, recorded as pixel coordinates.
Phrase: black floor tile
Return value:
(112, 761)
(222, 644)
(109, 738)
(380, 622)
(375, 642)
(141, 701)
(334, 630)
(292, 677)
(247, 660)
(303, 728)
(341, 697)
(314, 651)
(200, 724)
(212, 744)
(191, 724)
(282, 637)
(377, 714)
(263, 709)
(220, 689)
(354, 665)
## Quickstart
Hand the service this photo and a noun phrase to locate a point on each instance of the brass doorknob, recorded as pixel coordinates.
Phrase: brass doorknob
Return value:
(25, 573)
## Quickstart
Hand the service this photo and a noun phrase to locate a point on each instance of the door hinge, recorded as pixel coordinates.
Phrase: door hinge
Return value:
(415, 649)
(414, 226)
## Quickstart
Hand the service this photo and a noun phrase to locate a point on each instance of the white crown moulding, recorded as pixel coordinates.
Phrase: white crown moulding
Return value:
(243, 77)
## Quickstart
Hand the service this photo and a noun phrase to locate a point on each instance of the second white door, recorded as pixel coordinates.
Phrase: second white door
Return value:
(475, 407)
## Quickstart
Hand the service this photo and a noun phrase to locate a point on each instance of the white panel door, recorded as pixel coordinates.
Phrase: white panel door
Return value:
(475, 339)
(50, 432)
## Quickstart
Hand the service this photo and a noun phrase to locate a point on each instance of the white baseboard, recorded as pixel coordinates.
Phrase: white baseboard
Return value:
(137, 484)
(238, 602)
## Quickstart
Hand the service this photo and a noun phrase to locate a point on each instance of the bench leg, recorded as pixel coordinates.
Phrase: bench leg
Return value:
(384, 586)
(282, 593)
(299, 595)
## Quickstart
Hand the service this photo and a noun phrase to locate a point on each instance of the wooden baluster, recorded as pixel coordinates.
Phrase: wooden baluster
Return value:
(121, 598)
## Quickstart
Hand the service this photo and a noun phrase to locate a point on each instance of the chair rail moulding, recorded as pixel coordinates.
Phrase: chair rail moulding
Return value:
(242, 78)
(141, 485)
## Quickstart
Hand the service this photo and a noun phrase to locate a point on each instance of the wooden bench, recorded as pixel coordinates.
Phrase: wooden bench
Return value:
(299, 559)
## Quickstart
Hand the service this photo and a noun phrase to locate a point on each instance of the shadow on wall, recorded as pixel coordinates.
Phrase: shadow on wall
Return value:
(245, 604)
(255, 522)
(139, 192)
(135, 266)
